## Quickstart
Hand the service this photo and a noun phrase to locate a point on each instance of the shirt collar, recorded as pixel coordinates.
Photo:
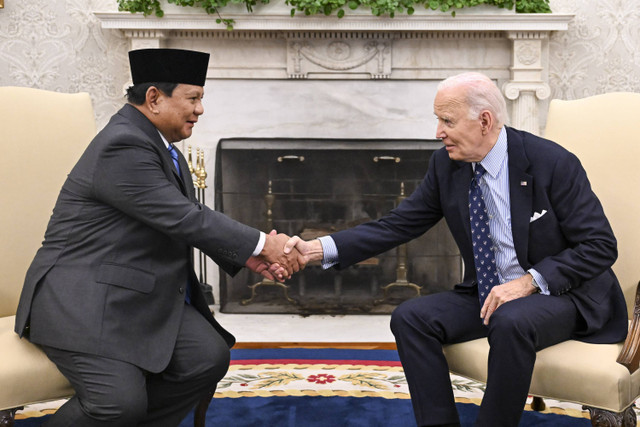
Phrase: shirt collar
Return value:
(494, 159)
(166, 143)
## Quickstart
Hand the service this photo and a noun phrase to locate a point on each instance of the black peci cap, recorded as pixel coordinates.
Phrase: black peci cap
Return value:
(168, 66)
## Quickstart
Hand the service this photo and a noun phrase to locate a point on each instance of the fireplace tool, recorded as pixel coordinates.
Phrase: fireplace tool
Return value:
(200, 183)
(269, 200)
(401, 270)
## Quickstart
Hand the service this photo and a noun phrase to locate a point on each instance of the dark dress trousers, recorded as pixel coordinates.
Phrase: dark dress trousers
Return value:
(111, 276)
(572, 246)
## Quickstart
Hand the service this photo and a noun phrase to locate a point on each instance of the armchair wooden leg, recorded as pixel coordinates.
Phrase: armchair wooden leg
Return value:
(7, 417)
(200, 413)
(603, 418)
(537, 404)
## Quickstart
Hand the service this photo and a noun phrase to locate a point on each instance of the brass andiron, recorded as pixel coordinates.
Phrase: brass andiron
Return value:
(269, 200)
(199, 182)
(401, 269)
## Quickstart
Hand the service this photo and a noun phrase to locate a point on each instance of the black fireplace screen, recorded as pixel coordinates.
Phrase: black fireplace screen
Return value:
(312, 187)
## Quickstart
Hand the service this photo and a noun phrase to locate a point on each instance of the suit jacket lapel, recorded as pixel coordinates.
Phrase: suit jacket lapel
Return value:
(462, 181)
(184, 183)
(521, 194)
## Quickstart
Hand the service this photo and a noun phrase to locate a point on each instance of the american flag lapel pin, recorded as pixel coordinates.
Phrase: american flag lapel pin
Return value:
(523, 183)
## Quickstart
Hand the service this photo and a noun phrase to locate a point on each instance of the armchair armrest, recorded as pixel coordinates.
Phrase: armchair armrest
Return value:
(630, 354)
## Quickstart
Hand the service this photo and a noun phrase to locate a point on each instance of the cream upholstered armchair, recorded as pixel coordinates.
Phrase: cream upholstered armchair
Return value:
(42, 135)
(604, 132)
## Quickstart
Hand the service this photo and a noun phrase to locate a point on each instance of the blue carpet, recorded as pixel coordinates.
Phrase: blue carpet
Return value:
(343, 412)
(328, 411)
(333, 412)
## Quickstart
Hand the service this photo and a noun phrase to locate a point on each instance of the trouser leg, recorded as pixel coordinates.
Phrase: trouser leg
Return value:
(517, 330)
(114, 393)
(200, 359)
(421, 326)
(108, 392)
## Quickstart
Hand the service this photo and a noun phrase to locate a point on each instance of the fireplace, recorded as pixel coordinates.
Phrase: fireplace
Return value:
(312, 187)
(316, 79)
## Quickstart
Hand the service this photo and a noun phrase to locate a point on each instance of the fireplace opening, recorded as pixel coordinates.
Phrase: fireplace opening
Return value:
(312, 187)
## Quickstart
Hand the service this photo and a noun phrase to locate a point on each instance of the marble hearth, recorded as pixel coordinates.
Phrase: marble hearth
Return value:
(357, 77)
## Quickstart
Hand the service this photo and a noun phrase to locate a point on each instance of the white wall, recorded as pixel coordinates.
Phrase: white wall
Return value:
(60, 46)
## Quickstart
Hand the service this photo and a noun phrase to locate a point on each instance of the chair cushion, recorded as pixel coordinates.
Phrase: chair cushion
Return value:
(26, 374)
(573, 371)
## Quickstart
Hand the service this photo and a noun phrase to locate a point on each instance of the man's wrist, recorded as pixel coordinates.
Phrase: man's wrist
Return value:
(329, 252)
(261, 241)
(534, 283)
(539, 281)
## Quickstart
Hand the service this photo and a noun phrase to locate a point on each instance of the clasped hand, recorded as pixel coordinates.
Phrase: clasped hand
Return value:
(273, 262)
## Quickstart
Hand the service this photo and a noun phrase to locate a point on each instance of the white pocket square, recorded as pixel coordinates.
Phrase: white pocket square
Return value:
(537, 215)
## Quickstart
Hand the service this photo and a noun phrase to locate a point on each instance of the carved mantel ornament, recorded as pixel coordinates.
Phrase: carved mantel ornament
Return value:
(269, 44)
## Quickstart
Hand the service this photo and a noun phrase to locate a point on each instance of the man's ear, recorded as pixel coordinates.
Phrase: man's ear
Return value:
(151, 99)
(486, 121)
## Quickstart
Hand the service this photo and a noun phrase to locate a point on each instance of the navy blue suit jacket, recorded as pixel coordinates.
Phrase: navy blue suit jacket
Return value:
(572, 245)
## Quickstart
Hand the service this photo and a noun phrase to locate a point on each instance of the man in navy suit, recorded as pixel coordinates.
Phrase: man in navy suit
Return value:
(552, 245)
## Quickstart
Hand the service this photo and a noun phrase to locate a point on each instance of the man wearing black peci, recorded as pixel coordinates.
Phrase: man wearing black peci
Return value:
(111, 295)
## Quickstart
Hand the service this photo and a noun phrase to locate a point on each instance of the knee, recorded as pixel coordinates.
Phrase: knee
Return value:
(219, 365)
(118, 408)
(399, 317)
(506, 323)
(408, 315)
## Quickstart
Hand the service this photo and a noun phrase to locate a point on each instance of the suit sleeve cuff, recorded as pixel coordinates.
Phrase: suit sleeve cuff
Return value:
(260, 244)
(330, 251)
(539, 282)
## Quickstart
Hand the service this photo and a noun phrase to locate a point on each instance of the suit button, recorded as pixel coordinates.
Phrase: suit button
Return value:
(181, 290)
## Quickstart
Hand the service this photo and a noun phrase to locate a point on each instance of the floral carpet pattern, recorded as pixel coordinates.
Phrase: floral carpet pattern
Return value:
(307, 379)
(328, 373)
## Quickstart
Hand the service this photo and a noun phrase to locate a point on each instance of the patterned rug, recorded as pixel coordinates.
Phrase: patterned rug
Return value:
(328, 387)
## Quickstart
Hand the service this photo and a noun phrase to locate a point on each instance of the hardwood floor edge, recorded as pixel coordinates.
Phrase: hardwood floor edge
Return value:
(339, 345)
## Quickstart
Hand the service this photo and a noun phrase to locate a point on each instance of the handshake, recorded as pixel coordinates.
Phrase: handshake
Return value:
(282, 256)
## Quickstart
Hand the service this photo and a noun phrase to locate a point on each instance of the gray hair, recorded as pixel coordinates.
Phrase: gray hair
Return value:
(482, 94)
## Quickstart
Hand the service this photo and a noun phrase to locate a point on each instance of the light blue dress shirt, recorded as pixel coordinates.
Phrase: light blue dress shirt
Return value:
(495, 189)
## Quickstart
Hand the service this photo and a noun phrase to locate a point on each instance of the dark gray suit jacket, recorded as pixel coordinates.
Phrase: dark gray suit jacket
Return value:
(111, 275)
(571, 245)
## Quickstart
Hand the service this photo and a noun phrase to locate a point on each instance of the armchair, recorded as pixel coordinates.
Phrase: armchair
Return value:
(603, 132)
(42, 134)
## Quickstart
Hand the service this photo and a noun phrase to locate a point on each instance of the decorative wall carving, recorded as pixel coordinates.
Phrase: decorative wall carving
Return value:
(338, 56)
(61, 46)
(528, 53)
(513, 53)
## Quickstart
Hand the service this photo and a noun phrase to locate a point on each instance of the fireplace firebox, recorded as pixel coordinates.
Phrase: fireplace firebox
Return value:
(312, 187)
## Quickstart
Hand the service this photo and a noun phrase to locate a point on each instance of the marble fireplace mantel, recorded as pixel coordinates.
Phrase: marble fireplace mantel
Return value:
(356, 77)
(268, 44)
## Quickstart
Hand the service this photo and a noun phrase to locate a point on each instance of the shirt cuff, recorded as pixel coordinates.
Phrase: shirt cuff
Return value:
(539, 280)
(260, 245)
(330, 252)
